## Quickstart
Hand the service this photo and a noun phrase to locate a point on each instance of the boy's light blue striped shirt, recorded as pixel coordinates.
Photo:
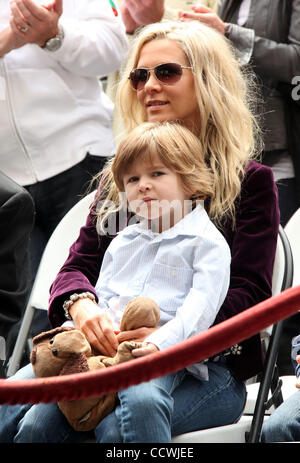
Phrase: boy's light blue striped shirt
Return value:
(185, 269)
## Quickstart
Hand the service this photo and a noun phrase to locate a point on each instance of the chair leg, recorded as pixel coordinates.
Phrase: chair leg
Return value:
(15, 360)
(266, 384)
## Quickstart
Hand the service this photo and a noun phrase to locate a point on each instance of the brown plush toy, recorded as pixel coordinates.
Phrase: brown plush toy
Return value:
(65, 350)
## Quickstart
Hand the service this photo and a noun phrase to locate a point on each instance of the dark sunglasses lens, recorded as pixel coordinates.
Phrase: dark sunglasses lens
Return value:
(168, 73)
(138, 78)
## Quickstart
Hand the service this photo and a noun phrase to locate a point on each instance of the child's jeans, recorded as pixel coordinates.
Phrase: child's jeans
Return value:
(149, 412)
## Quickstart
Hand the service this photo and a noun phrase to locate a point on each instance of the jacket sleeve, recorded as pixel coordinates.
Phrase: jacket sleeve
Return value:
(253, 244)
(270, 59)
(80, 271)
(95, 41)
(16, 223)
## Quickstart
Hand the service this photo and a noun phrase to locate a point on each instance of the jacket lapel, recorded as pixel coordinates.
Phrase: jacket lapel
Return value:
(228, 8)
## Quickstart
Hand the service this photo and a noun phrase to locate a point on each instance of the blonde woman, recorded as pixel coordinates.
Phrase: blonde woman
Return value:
(139, 13)
(188, 75)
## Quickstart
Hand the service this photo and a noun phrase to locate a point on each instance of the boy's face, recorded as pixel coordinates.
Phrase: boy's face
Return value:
(155, 192)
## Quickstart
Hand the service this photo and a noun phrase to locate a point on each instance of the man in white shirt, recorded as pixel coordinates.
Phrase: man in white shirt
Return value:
(56, 121)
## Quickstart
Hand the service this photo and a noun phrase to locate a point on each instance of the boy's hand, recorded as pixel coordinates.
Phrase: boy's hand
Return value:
(148, 348)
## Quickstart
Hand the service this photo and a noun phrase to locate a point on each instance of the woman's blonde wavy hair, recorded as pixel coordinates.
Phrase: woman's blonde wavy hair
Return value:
(228, 131)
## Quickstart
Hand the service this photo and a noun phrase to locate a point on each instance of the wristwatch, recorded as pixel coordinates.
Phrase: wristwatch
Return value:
(55, 43)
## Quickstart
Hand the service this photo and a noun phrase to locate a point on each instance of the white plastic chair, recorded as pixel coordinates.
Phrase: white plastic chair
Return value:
(292, 230)
(54, 255)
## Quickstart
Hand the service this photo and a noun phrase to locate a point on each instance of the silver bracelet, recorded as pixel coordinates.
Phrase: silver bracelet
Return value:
(73, 298)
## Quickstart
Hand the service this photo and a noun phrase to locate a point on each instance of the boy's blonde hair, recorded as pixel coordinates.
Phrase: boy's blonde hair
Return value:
(177, 148)
(228, 131)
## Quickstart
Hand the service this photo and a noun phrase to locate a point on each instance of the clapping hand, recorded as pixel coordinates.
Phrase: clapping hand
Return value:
(33, 23)
(136, 13)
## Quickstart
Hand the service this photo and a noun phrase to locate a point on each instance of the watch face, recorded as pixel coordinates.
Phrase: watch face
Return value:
(54, 44)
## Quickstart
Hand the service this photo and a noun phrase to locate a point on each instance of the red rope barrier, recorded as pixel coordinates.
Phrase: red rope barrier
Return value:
(195, 349)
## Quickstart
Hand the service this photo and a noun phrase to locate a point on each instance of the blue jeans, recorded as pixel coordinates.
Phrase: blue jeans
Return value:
(284, 423)
(149, 412)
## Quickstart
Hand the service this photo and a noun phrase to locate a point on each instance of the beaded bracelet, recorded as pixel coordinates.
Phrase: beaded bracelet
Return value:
(73, 298)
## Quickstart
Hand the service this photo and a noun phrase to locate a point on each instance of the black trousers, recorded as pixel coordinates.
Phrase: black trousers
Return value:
(52, 199)
(16, 222)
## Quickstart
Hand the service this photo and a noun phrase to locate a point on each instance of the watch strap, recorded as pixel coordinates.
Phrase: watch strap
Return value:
(54, 43)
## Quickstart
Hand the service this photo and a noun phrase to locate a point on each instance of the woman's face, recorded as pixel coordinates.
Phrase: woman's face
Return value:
(163, 102)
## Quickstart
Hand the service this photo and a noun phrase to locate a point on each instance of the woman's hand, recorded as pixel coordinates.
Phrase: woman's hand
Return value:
(204, 15)
(34, 23)
(95, 325)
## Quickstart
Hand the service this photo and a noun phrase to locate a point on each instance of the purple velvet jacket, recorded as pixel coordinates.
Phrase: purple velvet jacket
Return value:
(252, 243)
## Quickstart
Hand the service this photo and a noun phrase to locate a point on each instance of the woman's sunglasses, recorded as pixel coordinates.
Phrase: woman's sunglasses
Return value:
(167, 73)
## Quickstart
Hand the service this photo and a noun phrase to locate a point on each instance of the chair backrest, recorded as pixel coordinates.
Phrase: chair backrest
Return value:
(292, 230)
(283, 269)
(282, 273)
(279, 268)
(282, 279)
(57, 249)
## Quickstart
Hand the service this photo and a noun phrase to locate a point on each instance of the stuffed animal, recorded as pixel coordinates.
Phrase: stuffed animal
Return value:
(65, 350)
